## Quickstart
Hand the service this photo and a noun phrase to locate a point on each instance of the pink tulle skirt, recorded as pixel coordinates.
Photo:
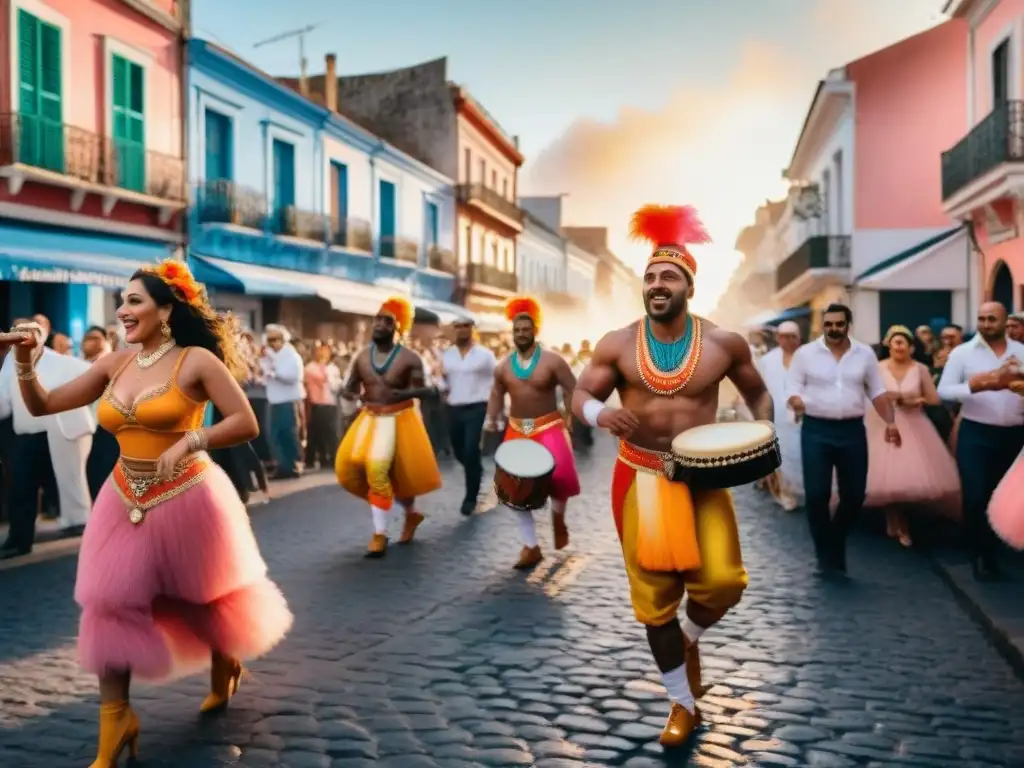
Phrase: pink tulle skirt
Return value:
(1006, 509)
(159, 597)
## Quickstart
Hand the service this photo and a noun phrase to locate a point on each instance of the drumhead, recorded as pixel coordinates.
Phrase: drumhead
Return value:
(524, 458)
(723, 439)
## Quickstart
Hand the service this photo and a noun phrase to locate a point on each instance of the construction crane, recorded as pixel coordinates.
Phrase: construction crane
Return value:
(301, 34)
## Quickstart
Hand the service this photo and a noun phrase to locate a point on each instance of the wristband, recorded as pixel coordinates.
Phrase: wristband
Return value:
(592, 410)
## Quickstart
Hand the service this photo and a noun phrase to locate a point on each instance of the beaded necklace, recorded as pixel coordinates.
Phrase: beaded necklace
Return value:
(666, 368)
(381, 369)
(519, 370)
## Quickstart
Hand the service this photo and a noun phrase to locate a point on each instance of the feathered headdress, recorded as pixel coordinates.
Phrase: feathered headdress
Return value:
(179, 279)
(520, 306)
(401, 311)
(670, 229)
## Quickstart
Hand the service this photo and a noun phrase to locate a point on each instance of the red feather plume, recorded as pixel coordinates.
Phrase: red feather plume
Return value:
(523, 305)
(669, 225)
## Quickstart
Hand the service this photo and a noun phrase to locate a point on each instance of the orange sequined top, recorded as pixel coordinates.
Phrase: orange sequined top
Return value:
(157, 420)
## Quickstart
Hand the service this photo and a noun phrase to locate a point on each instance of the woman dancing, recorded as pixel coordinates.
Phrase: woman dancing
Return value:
(170, 579)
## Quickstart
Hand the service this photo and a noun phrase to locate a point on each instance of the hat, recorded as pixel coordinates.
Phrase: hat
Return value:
(400, 310)
(788, 326)
(670, 229)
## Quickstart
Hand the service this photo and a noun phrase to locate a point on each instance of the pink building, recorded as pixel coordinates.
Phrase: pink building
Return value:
(983, 168)
(90, 150)
(865, 222)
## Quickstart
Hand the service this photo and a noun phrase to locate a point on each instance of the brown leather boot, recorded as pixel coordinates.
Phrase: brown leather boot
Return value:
(378, 546)
(680, 726)
(225, 676)
(119, 728)
(412, 522)
(529, 557)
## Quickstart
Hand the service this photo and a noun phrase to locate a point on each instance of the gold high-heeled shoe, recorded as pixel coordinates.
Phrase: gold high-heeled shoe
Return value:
(225, 677)
(119, 728)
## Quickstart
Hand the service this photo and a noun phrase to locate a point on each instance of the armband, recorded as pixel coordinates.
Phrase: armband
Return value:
(592, 410)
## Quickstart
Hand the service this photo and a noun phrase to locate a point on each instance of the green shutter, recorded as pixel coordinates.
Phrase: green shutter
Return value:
(39, 80)
(129, 129)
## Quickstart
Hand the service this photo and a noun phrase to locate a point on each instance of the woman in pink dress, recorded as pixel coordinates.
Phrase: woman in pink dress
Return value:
(922, 472)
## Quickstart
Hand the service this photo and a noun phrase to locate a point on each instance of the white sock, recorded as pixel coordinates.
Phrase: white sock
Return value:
(679, 688)
(692, 630)
(380, 520)
(527, 528)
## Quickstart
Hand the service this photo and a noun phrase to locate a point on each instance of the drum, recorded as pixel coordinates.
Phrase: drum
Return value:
(522, 474)
(726, 454)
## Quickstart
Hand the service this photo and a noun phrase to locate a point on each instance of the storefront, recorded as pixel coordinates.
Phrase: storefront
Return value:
(72, 277)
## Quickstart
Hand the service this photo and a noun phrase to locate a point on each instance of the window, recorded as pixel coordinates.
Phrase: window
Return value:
(387, 219)
(504, 187)
(219, 147)
(494, 255)
(129, 130)
(483, 248)
(837, 176)
(1001, 74)
(339, 203)
(41, 101)
(483, 171)
(494, 180)
(284, 183)
(432, 224)
(468, 163)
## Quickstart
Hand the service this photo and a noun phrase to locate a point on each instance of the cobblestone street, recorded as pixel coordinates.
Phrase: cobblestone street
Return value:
(442, 655)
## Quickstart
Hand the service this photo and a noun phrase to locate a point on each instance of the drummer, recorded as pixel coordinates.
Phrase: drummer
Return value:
(530, 376)
(667, 368)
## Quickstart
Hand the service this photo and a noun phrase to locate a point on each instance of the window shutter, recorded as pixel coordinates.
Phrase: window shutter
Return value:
(129, 129)
(28, 82)
(50, 98)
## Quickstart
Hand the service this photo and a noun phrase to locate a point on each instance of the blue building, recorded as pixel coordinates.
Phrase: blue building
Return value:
(302, 217)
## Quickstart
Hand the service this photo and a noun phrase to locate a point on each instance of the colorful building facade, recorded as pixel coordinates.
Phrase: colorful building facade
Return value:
(92, 178)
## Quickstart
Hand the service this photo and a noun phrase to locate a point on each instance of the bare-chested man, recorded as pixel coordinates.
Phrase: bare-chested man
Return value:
(386, 453)
(667, 368)
(531, 377)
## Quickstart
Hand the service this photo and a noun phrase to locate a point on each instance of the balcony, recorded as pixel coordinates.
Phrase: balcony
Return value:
(354, 234)
(296, 222)
(36, 149)
(224, 202)
(821, 252)
(442, 259)
(979, 162)
(492, 277)
(491, 203)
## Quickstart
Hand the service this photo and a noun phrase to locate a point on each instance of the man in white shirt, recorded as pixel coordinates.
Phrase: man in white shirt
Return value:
(282, 374)
(468, 370)
(62, 441)
(991, 435)
(826, 387)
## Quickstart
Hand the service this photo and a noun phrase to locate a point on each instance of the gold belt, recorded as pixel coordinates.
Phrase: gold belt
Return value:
(142, 490)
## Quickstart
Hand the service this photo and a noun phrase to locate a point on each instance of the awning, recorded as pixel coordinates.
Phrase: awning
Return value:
(489, 322)
(793, 313)
(25, 265)
(761, 318)
(445, 312)
(947, 254)
(236, 277)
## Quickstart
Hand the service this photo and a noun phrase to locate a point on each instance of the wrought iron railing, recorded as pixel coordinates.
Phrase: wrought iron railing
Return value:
(39, 142)
(224, 202)
(480, 192)
(442, 259)
(407, 250)
(352, 233)
(818, 252)
(487, 274)
(999, 138)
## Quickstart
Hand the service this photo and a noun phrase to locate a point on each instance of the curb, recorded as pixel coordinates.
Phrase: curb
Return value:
(54, 550)
(995, 634)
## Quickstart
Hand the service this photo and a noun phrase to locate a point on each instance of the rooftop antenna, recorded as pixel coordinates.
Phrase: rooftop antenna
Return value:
(301, 34)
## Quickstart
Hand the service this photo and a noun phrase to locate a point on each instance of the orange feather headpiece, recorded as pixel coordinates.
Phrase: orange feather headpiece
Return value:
(520, 306)
(179, 279)
(670, 229)
(401, 311)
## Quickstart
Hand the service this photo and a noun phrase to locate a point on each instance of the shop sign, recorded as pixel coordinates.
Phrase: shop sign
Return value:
(18, 273)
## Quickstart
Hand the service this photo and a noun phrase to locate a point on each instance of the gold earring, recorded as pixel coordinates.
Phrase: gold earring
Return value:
(165, 330)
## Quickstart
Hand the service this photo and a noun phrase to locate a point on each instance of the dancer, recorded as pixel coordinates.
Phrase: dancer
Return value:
(922, 472)
(667, 368)
(386, 454)
(169, 574)
(530, 377)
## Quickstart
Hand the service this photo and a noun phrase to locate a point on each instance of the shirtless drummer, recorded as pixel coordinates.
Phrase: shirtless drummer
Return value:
(530, 376)
(667, 368)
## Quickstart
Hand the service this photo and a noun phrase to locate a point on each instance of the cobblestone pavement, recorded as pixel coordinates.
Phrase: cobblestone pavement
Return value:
(441, 655)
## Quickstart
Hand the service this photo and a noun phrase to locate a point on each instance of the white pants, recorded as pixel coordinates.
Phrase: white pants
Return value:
(69, 458)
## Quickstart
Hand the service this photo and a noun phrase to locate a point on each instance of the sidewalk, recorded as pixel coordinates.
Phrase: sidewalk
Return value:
(998, 607)
(49, 546)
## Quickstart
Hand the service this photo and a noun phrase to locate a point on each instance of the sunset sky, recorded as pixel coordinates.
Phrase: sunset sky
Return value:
(616, 103)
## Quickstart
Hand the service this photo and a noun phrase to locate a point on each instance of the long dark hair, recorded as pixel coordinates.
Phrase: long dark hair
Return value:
(195, 324)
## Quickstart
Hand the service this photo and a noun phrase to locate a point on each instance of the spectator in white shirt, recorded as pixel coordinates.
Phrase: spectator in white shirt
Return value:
(991, 433)
(282, 374)
(826, 386)
(468, 370)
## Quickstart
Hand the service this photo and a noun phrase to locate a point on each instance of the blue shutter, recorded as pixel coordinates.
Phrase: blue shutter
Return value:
(284, 182)
(219, 154)
(432, 224)
(387, 219)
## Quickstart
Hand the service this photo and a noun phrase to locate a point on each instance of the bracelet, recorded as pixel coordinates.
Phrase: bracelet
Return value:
(592, 411)
(27, 375)
(196, 440)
